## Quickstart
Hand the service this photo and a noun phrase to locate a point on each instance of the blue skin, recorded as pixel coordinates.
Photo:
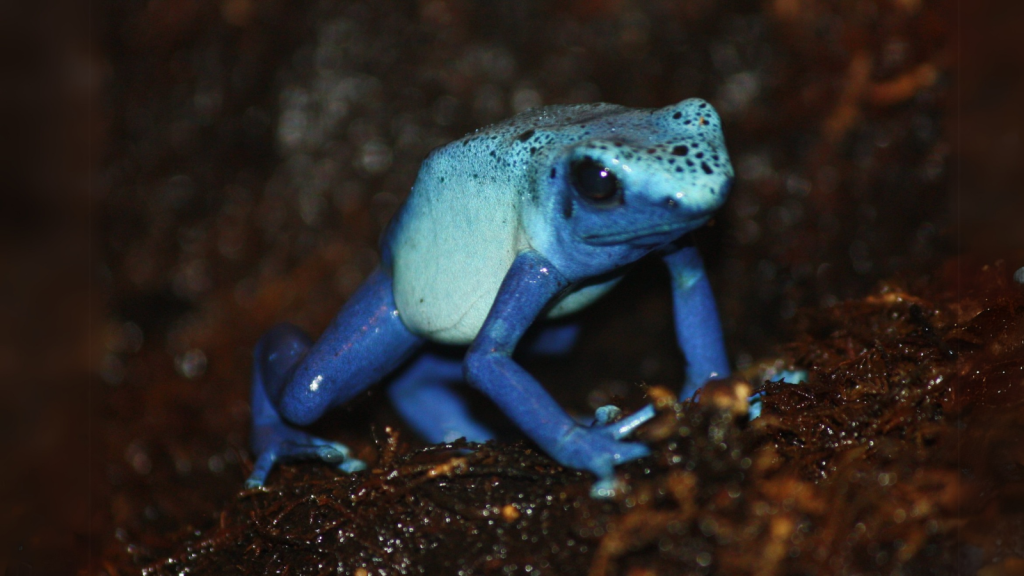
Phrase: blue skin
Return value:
(519, 222)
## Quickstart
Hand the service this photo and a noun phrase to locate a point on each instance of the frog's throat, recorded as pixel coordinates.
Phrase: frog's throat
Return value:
(611, 238)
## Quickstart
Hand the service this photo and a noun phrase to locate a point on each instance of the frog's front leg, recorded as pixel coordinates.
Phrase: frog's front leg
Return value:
(528, 287)
(295, 382)
(698, 330)
(426, 392)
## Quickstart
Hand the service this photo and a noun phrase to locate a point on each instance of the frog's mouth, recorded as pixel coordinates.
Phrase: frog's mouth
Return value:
(652, 235)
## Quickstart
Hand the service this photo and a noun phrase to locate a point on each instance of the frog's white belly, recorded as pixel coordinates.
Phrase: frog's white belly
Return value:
(444, 293)
(451, 310)
(451, 253)
(451, 249)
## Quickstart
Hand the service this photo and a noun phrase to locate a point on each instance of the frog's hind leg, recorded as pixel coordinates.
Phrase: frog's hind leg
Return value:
(295, 381)
(424, 395)
(273, 440)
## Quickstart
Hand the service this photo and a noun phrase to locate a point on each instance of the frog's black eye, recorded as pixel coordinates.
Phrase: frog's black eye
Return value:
(595, 183)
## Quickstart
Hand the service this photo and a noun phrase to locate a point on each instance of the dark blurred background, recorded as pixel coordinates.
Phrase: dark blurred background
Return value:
(179, 175)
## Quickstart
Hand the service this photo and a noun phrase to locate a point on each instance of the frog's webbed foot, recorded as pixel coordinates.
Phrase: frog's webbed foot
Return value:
(611, 417)
(609, 421)
(280, 351)
(795, 376)
(605, 488)
(282, 443)
(598, 449)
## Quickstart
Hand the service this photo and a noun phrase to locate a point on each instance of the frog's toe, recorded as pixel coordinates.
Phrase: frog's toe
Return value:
(352, 465)
(756, 401)
(604, 458)
(629, 451)
(602, 416)
(299, 446)
(260, 470)
(605, 488)
(755, 405)
(597, 450)
(603, 465)
(796, 376)
(607, 414)
(325, 450)
(337, 453)
(621, 428)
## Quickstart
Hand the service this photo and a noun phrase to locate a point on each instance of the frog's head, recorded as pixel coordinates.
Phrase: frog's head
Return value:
(647, 188)
(640, 181)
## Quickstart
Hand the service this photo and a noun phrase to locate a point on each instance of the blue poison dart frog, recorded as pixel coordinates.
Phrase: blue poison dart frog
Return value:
(513, 225)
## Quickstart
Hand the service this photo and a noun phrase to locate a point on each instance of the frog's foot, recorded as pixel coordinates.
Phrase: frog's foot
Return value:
(282, 443)
(788, 376)
(756, 401)
(624, 427)
(606, 488)
(611, 415)
(277, 355)
(597, 449)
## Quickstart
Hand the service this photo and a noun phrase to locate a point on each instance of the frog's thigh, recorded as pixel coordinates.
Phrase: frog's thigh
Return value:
(366, 341)
(424, 395)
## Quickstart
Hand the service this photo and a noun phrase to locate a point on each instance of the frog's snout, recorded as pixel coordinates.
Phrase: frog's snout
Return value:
(691, 200)
(725, 187)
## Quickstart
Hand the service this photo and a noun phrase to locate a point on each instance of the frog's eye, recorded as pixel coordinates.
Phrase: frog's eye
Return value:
(595, 183)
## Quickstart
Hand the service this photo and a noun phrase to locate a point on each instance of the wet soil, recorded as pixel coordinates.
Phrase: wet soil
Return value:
(242, 158)
(901, 453)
